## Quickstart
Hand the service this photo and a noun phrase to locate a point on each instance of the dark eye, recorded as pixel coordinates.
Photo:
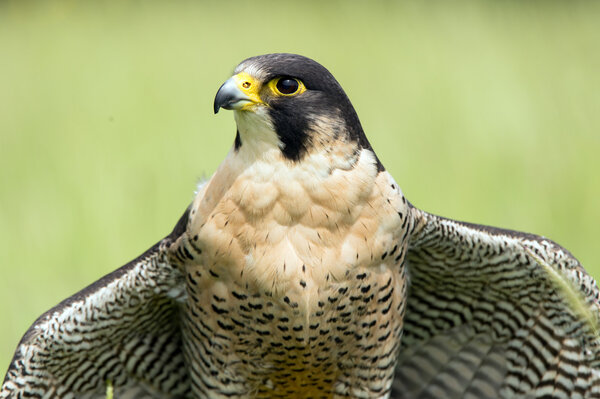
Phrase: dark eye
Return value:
(287, 85)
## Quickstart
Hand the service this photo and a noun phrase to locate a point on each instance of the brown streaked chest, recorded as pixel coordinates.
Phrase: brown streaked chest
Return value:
(296, 276)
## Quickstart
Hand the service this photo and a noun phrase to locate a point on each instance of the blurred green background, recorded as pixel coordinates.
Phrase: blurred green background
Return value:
(483, 111)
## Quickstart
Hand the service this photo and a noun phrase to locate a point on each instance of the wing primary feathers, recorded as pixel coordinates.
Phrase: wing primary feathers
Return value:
(571, 294)
(526, 296)
(118, 337)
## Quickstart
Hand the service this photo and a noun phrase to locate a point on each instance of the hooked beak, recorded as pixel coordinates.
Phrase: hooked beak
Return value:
(238, 93)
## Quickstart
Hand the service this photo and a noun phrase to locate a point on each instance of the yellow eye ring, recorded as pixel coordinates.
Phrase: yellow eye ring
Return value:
(287, 86)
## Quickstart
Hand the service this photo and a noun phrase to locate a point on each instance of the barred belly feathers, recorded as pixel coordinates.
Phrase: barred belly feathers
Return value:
(300, 270)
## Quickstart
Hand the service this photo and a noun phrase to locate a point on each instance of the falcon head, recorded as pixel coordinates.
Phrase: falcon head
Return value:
(292, 103)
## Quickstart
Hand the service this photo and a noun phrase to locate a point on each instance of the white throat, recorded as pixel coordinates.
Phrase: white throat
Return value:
(257, 134)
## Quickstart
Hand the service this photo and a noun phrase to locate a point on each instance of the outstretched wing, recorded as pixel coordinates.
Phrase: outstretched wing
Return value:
(120, 333)
(496, 313)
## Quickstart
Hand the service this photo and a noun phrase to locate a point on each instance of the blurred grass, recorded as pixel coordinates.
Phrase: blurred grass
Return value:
(483, 111)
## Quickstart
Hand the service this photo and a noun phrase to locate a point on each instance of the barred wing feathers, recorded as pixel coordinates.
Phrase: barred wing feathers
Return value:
(123, 331)
(496, 313)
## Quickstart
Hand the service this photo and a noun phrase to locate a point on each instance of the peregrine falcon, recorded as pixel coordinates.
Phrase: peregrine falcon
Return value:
(300, 270)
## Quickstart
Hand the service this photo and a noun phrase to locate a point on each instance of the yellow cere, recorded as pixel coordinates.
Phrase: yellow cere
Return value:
(250, 87)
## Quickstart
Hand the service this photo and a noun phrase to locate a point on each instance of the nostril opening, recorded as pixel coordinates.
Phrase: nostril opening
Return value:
(245, 85)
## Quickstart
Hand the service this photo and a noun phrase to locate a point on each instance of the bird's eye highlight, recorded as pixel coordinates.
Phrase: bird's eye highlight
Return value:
(288, 86)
